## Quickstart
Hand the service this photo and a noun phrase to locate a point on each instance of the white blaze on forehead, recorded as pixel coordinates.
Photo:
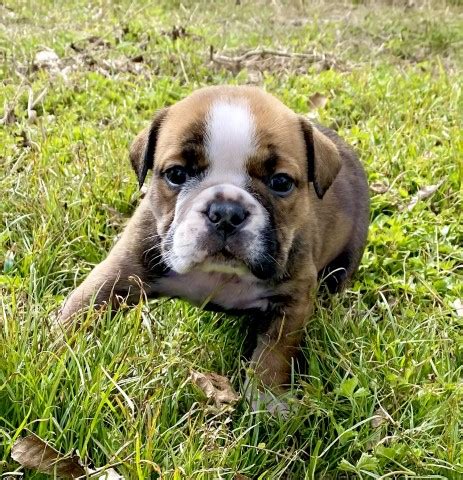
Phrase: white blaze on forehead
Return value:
(230, 139)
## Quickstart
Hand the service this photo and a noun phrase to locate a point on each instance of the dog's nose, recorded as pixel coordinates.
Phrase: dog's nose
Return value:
(226, 216)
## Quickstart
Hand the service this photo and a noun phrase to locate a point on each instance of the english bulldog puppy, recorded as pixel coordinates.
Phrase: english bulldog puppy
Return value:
(249, 203)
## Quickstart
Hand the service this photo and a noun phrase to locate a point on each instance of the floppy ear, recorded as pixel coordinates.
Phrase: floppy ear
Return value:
(324, 161)
(144, 146)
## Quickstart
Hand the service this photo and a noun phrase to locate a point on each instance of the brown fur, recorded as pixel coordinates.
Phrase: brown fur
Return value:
(323, 225)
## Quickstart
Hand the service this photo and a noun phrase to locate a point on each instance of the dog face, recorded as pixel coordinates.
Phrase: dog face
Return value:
(231, 186)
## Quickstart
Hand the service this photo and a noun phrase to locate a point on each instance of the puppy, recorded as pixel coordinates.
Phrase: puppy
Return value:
(248, 204)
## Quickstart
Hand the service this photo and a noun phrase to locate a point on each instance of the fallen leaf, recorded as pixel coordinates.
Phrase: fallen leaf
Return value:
(379, 187)
(423, 194)
(381, 417)
(378, 419)
(34, 453)
(458, 306)
(240, 476)
(317, 100)
(215, 387)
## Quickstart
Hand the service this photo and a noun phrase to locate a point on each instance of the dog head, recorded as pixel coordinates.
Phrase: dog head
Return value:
(235, 176)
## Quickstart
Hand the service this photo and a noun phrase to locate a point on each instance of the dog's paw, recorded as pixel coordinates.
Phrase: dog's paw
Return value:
(266, 400)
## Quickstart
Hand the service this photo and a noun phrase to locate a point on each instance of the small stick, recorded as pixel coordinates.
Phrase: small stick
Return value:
(313, 57)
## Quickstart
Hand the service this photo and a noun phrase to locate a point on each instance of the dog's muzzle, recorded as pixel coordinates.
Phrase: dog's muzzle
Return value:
(222, 225)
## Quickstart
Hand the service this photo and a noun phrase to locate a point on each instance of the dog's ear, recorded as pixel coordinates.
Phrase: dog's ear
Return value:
(323, 159)
(144, 146)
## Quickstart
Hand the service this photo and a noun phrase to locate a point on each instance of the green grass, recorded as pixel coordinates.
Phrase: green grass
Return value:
(392, 341)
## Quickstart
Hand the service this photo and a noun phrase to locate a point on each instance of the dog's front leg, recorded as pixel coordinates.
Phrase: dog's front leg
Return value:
(277, 348)
(121, 275)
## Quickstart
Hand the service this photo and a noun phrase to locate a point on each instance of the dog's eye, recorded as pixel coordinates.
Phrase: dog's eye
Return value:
(176, 175)
(281, 184)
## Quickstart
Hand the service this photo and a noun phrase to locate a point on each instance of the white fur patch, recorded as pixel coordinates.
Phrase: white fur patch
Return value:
(227, 290)
(230, 140)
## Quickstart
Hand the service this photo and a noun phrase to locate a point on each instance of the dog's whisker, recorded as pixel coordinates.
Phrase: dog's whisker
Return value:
(158, 245)
(154, 260)
(158, 235)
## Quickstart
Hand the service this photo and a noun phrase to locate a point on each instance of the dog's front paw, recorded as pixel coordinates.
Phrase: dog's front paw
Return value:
(264, 399)
(267, 401)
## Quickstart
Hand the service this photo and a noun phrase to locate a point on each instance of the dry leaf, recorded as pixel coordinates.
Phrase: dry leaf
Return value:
(378, 419)
(423, 194)
(215, 387)
(458, 306)
(240, 476)
(379, 187)
(317, 100)
(381, 416)
(34, 453)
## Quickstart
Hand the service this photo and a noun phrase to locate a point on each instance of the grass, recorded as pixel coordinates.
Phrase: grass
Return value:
(382, 394)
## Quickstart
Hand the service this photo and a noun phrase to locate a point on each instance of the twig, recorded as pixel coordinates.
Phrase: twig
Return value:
(9, 116)
(31, 103)
(224, 59)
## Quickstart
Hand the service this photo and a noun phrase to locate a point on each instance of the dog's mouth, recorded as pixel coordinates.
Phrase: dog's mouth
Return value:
(224, 262)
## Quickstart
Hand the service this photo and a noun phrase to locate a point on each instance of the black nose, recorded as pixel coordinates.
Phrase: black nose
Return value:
(226, 216)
